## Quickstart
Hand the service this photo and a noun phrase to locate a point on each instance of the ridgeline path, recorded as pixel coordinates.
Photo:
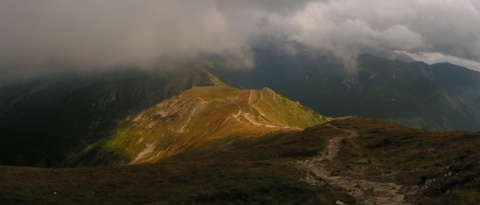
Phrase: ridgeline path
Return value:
(365, 192)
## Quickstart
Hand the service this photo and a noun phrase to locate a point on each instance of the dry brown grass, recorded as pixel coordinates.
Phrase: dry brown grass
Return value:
(261, 170)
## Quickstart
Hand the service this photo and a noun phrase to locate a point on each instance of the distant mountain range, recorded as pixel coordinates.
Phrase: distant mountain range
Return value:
(442, 96)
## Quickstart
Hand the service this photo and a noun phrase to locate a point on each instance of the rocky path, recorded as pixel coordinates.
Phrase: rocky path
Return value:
(365, 192)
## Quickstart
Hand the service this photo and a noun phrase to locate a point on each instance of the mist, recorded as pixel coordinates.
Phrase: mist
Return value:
(92, 34)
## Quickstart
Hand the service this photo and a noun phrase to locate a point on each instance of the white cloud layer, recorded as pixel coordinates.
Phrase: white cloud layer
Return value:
(115, 32)
(432, 58)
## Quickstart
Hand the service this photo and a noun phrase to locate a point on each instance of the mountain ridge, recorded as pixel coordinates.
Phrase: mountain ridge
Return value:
(85, 111)
(414, 94)
(204, 119)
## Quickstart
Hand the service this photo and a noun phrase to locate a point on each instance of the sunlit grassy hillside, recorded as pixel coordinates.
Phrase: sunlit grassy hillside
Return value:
(206, 119)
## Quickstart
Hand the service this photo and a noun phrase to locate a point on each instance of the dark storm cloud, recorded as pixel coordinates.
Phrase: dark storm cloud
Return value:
(109, 32)
(91, 33)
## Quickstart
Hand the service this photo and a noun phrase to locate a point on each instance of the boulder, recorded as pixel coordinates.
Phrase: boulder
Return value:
(339, 203)
(363, 161)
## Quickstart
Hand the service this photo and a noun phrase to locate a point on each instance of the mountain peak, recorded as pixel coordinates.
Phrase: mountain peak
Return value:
(212, 78)
(203, 117)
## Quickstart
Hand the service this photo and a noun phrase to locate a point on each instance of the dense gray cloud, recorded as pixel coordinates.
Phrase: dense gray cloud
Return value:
(109, 32)
(91, 33)
(348, 26)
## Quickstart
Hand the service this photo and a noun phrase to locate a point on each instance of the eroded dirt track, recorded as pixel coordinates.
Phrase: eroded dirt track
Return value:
(364, 191)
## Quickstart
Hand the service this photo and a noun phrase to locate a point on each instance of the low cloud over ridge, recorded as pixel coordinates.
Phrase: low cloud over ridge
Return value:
(118, 32)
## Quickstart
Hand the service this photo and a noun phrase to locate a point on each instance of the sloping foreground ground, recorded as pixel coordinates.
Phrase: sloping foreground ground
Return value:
(259, 170)
(383, 163)
(352, 160)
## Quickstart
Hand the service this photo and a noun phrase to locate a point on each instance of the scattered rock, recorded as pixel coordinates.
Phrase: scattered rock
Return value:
(339, 203)
(364, 191)
(363, 161)
(398, 187)
(448, 191)
(412, 193)
(428, 181)
(335, 173)
(310, 179)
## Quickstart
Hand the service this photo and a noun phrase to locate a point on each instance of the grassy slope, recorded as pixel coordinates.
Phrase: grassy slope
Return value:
(205, 119)
(48, 122)
(253, 171)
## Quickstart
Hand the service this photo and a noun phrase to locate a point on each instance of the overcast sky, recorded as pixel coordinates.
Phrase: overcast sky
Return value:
(91, 33)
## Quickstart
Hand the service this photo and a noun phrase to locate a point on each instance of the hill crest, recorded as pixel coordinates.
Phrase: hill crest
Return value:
(205, 119)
